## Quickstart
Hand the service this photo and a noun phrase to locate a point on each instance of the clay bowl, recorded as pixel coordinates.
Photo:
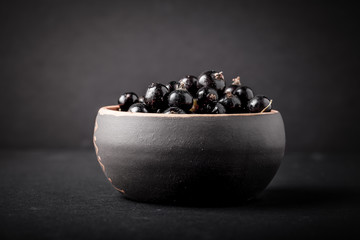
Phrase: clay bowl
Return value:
(192, 158)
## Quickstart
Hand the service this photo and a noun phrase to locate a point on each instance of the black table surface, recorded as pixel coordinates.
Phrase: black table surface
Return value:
(57, 194)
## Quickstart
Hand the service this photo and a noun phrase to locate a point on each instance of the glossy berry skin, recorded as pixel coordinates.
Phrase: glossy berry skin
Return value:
(126, 100)
(138, 107)
(231, 89)
(174, 110)
(212, 79)
(156, 97)
(218, 109)
(190, 83)
(141, 99)
(206, 97)
(181, 98)
(172, 86)
(258, 104)
(231, 103)
(244, 94)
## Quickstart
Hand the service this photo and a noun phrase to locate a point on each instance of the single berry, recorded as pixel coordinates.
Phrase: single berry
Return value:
(174, 110)
(172, 86)
(181, 98)
(235, 84)
(138, 107)
(156, 97)
(212, 79)
(190, 83)
(126, 100)
(206, 97)
(231, 103)
(244, 94)
(259, 104)
(218, 109)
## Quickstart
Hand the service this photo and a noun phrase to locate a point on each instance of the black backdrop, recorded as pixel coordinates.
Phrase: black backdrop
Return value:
(61, 60)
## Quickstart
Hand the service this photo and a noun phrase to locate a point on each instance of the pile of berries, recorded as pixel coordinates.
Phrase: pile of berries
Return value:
(207, 94)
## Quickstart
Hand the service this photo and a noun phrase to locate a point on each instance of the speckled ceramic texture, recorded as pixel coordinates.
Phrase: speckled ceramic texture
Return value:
(189, 158)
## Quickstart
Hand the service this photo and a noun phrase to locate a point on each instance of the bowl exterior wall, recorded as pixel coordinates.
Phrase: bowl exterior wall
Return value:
(176, 159)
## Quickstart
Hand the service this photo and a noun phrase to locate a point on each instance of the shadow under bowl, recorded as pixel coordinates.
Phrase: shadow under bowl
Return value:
(189, 158)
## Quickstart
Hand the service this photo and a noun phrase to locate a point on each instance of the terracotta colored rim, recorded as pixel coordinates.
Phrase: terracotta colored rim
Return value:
(114, 110)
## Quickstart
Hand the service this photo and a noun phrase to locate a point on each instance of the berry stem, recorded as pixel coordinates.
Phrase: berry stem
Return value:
(212, 97)
(236, 81)
(182, 86)
(267, 106)
(219, 76)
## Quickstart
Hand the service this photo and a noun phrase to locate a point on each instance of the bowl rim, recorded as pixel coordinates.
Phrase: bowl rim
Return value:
(114, 110)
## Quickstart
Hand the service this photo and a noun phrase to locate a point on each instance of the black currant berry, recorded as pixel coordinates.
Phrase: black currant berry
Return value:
(231, 103)
(126, 100)
(172, 86)
(138, 107)
(212, 79)
(244, 94)
(181, 98)
(259, 104)
(235, 84)
(174, 110)
(190, 83)
(206, 97)
(218, 109)
(156, 97)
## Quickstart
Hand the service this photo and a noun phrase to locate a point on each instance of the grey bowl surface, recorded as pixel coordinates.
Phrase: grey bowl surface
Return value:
(174, 158)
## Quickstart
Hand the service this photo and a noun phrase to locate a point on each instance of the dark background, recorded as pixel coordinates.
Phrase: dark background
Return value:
(61, 60)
